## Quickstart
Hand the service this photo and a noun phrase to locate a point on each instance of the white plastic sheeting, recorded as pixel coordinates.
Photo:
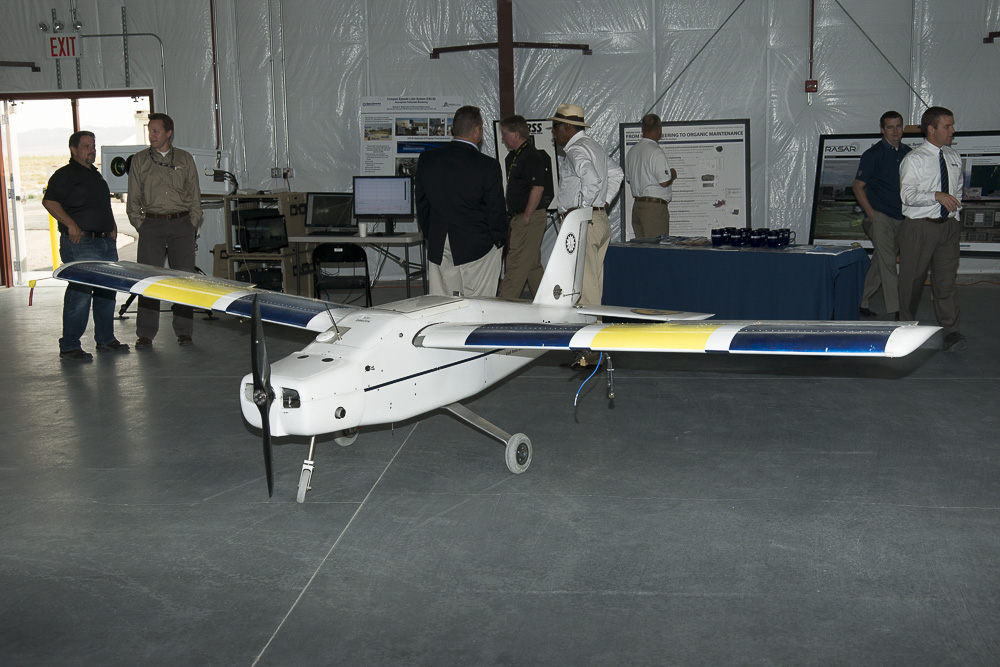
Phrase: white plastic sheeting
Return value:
(292, 72)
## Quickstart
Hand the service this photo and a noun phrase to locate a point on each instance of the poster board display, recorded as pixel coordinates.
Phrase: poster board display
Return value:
(712, 188)
(541, 135)
(836, 215)
(396, 130)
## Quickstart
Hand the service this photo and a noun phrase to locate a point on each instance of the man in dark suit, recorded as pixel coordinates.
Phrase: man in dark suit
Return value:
(461, 209)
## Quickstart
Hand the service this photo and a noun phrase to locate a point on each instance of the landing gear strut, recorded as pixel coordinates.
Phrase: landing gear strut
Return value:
(517, 452)
(342, 438)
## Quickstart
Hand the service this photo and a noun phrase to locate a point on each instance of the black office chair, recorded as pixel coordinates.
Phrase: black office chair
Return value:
(331, 261)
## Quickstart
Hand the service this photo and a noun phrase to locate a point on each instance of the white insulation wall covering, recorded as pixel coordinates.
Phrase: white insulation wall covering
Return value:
(292, 72)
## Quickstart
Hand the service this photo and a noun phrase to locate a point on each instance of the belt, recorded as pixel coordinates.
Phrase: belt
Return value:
(936, 220)
(166, 216)
(94, 235)
(654, 200)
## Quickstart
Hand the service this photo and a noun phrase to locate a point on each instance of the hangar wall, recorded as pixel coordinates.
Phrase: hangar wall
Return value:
(291, 72)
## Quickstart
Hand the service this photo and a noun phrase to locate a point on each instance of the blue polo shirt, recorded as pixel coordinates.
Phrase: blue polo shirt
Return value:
(879, 169)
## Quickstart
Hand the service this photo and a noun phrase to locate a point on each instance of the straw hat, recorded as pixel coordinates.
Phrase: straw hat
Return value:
(570, 114)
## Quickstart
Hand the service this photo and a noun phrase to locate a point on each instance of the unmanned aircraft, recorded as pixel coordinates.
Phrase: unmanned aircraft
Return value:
(389, 363)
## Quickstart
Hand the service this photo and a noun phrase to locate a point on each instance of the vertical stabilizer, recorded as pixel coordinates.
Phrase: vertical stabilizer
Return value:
(563, 277)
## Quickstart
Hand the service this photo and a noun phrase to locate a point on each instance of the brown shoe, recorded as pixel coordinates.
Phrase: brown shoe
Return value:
(142, 342)
(184, 340)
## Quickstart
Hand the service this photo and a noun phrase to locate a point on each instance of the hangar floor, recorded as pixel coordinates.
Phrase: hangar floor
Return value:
(721, 511)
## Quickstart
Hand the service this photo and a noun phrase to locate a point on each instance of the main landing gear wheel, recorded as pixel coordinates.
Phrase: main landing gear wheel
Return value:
(346, 438)
(518, 453)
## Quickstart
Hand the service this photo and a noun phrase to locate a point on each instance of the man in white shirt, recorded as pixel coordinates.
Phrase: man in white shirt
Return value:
(587, 178)
(930, 187)
(649, 174)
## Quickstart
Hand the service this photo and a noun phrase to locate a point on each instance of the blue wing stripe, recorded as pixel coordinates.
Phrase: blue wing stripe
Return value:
(523, 335)
(843, 342)
(275, 307)
(87, 274)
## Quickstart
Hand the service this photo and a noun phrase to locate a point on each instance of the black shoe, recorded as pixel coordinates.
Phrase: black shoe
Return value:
(75, 355)
(142, 341)
(185, 340)
(865, 312)
(954, 342)
(895, 316)
(112, 346)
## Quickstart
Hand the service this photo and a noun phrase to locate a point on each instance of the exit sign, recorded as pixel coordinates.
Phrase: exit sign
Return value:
(65, 46)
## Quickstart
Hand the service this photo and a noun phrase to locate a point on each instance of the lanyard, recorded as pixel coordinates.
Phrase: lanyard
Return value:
(155, 158)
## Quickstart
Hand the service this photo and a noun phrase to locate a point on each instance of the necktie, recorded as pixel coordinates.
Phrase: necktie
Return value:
(944, 180)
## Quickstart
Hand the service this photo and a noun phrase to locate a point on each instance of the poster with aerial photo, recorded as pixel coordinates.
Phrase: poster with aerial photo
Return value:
(712, 188)
(836, 215)
(395, 130)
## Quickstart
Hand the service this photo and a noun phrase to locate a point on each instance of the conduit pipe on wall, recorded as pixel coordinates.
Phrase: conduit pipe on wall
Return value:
(163, 69)
(217, 112)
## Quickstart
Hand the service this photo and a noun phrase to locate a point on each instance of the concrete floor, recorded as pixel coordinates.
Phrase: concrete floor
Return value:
(721, 511)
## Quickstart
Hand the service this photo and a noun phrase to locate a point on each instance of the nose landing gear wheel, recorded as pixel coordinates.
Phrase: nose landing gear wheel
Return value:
(304, 479)
(518, 453)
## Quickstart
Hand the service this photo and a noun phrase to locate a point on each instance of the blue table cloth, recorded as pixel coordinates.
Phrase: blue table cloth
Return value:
(737, 284)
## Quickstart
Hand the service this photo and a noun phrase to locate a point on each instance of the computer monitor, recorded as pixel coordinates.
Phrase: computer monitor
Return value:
(258, 230)
(386, 197)
(331, 212)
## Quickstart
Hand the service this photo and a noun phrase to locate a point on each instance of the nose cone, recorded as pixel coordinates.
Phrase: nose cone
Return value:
(314, 394)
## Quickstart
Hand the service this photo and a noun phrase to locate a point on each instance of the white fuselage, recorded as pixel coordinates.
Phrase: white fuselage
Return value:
(372, 373)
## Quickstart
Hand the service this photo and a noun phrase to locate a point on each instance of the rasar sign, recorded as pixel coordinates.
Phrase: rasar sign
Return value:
(64, 46)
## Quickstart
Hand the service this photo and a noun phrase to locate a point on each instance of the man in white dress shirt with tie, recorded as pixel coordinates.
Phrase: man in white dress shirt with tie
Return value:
(930, 187)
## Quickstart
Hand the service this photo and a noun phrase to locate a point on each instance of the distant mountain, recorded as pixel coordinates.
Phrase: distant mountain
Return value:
(55, 141)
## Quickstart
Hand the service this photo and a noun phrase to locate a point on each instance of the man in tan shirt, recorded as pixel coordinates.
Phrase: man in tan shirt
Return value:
(164, 205)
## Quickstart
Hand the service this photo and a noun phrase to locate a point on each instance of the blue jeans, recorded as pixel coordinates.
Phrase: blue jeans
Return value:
(76, 303)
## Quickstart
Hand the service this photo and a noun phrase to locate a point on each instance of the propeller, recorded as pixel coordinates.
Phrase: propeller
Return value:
(263, 394)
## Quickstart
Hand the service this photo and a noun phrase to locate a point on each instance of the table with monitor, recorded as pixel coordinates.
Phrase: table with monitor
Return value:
(343, 217)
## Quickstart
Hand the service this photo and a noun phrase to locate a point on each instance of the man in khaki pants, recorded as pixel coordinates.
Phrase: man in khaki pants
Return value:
(650, 176)
(164, 205)
(529, 191)
(930, 186)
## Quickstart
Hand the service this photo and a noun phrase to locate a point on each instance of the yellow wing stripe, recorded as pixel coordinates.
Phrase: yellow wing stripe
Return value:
(668, 335)
(191, 291)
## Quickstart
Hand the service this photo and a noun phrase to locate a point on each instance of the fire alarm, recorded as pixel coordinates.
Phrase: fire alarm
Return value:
(812, 86)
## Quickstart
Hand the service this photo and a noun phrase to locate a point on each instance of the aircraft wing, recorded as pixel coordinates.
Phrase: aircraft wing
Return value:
(856, 339)
(199, 291)
(625, 313)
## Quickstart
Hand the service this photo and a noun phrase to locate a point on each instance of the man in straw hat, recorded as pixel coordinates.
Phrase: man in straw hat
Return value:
(587, 178)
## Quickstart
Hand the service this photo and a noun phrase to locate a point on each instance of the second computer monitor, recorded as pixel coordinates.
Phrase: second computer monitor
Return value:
(383, 197)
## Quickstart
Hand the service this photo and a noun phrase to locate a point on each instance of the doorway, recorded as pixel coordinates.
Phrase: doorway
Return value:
(34, 143)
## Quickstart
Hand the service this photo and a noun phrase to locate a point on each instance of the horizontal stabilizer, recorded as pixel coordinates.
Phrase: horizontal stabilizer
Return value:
(855, 339)
(200, 291)
(625, 313)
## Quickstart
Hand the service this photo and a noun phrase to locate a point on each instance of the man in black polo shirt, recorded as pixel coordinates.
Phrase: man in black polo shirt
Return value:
(876, 187)
(529, 192)
(80, 200)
